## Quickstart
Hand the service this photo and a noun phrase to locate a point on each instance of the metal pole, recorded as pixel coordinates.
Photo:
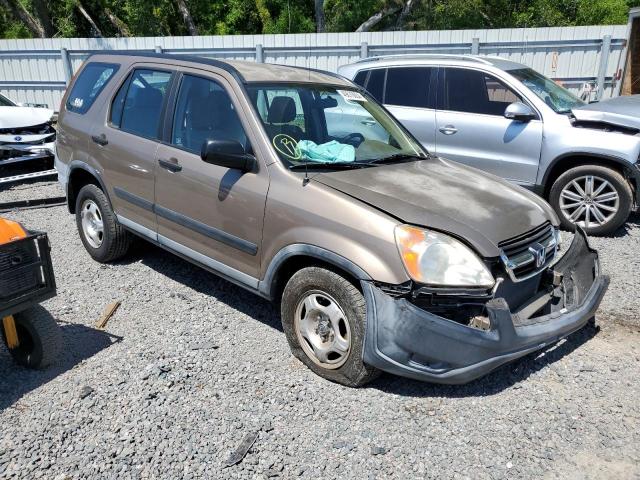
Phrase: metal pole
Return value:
(475, 46)
(259, 53)
(66, 65)
(158, 49)
(604, 61)
(364, 50)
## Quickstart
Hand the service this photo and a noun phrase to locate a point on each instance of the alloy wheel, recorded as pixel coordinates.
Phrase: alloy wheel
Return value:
(589, 201)
(322, 329)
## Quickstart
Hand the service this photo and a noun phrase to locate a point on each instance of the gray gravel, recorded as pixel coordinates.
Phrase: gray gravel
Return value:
(191, 365)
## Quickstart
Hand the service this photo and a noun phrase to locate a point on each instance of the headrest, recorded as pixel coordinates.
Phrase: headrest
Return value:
(282, 110)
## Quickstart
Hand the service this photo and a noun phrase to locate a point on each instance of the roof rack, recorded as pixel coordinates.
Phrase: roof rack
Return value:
(466, 57)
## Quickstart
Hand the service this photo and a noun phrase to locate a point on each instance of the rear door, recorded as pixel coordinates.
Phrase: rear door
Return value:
(472, 129)
(409, 94)
(209, 213)
(125, 144)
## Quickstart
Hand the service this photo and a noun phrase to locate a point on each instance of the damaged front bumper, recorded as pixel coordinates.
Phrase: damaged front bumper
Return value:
(406, 340)
(23, 152)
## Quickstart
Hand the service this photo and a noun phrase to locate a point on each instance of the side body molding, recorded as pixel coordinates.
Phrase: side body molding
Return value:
(267, 284)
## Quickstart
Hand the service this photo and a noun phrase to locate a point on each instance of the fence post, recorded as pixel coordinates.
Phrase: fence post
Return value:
(475, 46)
(66, 65)
(158, 49)
(364, 50)
(604, 61)
(259, 53)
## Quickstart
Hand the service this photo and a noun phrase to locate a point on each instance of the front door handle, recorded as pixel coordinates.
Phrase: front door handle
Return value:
(100, 139)
(172, 164)
(448, 129)
(368, 122)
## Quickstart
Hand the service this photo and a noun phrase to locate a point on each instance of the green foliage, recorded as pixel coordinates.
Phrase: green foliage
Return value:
(226, 17)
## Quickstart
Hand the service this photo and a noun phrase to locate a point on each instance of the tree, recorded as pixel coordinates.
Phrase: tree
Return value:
(21, 13)
(319, 7)
(186, 15)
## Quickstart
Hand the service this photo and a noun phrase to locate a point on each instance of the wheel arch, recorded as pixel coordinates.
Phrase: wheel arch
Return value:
(568, 161)
(81, 174)
(294, 257)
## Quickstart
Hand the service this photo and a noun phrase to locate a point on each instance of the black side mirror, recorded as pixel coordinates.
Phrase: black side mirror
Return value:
(520, 112)
(227, 153)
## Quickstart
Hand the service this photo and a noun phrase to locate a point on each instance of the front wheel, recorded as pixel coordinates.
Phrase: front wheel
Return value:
(596, 198)
(323, 316)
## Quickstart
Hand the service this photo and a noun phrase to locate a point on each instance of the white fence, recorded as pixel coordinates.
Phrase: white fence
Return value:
(37, 70)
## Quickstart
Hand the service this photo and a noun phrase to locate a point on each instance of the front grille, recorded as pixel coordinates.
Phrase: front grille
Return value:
(526, 255)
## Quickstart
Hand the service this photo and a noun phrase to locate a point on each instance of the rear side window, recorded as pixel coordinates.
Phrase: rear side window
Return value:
(375, 83)
(93, 78)
(472, 91)
(137, 107)
(408, 87)
(361, 78)
(204, 111)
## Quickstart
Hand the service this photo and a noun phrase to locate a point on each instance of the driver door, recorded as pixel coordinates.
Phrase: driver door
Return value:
(471, 127)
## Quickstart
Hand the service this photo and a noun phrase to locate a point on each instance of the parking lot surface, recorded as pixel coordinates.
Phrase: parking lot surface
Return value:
(190, 364)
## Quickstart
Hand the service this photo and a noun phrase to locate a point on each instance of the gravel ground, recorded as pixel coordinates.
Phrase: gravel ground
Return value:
(190, 364)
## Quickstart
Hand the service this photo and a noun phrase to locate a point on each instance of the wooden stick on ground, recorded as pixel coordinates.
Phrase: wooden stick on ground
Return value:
(107, 314)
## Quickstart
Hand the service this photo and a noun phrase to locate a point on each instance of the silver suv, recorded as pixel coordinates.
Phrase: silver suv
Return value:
(507, 119)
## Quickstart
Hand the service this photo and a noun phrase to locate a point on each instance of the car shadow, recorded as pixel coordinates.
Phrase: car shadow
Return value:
(632, 223)
(504, 377)
(204, 282)
(80, 342)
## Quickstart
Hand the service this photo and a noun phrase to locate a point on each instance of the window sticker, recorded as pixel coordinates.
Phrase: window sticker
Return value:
(351, 96)
(287, 146)
(77, 102)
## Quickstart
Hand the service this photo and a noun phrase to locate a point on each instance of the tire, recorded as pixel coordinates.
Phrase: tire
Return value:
(39, 336)
(113, 241)
(566, 199)
(328, 290)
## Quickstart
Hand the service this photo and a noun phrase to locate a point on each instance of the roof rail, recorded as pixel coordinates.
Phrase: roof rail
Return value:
(467, 57)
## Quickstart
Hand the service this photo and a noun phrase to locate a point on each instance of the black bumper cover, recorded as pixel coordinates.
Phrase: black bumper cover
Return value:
(406, 340)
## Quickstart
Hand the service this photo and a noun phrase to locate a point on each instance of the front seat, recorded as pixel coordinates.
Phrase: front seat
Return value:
(282, 112)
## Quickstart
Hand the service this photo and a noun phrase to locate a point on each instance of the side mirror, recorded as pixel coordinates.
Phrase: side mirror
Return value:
(227, 153)
(520, 112)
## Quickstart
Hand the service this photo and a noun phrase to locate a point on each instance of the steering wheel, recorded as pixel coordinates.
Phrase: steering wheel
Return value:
(354, 139)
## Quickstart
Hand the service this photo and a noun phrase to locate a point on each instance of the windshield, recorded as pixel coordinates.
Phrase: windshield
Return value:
(558, 98)
(322, 125)
(5, 102)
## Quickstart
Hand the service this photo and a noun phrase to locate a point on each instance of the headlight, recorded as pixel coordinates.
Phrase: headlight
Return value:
(434, 258)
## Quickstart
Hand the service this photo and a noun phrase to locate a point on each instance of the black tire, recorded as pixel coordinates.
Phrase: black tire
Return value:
(39, 336)
(353, 372)
(615, 179)
(116, 240)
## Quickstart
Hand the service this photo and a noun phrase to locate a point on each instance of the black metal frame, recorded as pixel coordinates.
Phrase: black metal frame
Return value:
(46, 287)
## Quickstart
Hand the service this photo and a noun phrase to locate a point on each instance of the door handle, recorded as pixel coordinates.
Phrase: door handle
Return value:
(448, 129)
(100, 139)
(368, 123)
(172, 164)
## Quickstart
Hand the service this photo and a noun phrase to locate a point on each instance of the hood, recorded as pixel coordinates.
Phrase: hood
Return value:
(622, 111)
(480, 209)
(19, 117)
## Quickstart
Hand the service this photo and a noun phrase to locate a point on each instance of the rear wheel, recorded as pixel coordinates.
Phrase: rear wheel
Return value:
(597, 198)
(323, 316)
(39, 337)
(101, 234)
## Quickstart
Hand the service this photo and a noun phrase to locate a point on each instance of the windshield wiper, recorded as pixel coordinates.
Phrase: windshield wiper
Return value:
(328, 166)
(398, 157)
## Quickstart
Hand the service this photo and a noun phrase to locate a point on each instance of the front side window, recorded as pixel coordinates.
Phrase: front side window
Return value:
(88, 85)
(309, 124)
(408, 87)
(137, 107)
(473, 91)
(204, 111)
(558, 98)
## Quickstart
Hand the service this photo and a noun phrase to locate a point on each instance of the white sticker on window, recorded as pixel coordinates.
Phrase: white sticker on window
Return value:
(351, 96)
(77, 102)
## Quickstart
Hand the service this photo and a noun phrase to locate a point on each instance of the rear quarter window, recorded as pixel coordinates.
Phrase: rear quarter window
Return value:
(91, 81)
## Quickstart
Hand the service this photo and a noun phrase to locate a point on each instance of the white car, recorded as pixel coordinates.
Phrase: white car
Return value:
(26, 133)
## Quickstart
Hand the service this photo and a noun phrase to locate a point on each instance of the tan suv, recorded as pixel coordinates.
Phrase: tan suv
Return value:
(298, 186)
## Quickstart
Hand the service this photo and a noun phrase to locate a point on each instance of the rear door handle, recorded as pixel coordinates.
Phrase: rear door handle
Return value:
(368, 122)
(448, 129)
(172, 164)
(100, 139)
